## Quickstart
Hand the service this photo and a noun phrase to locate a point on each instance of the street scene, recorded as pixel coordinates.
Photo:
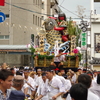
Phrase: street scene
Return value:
(49, 50)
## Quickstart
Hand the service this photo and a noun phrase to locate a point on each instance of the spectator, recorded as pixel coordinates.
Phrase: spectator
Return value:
(78, 92)
(86, 80)
(16, 95)
(18, 82)
(5, 83)
(96, 86)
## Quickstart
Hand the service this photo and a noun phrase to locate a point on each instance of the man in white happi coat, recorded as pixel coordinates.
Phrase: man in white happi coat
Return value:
(29, 86)
(95, 88)
(38, 77)
(54, 87)
(66, 83)
(41, 86)
(86, 80)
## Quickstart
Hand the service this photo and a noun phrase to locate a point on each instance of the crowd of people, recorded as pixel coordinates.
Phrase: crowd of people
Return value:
(25, 83)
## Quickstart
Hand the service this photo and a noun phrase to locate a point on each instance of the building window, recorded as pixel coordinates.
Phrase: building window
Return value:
(40, 22)
(33, 18)
(36, 20)
(1, 36)
(4, 37)
(7, 15)
(42, 17)
(42, 5)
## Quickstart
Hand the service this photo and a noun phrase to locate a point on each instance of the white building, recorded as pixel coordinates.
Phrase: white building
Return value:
(95, 34)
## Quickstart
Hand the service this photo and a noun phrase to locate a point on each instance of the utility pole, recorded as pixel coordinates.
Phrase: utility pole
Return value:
(84, 37)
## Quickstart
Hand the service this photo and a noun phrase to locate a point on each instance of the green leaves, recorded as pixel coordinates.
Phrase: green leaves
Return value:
(32, 49)
(45, 56)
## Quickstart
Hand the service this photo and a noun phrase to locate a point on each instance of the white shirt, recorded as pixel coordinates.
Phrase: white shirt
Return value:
(40, 90)
(73, 79)
(38, 80)
(92, 96)
(32, 83)
(66, 83)
(95, 88)
(53, 87)
(59, 59)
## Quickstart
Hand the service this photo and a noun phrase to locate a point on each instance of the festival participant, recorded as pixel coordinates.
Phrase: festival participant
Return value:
(95, 88)
(86, 80)
(41, 86)
(38, 77)
(53, 87)
(29, 86)
(79, 92)
(58, 60)
(5, 83)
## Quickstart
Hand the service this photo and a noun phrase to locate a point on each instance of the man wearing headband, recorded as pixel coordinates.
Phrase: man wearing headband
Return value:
(54, 87)
(29, 85)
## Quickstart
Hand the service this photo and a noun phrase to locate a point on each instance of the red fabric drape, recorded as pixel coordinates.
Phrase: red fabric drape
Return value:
(2, 2)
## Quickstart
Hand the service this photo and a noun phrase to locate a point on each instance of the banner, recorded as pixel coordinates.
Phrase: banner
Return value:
(2, 2)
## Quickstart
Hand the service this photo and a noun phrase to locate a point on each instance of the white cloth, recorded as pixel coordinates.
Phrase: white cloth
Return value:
(32, 83)
(38, 80)
(68, 97)
(95, 88)
(92, 96)
(59, 59)
(53, 87)
(66, 83)
(40, 90)
(73, 78)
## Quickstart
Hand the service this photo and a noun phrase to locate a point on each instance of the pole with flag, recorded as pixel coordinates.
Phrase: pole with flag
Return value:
(2, 2)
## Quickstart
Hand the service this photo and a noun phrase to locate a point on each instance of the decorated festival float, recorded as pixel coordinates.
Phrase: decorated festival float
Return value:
(58, 33)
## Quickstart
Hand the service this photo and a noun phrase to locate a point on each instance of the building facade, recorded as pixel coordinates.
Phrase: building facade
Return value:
(24, 17)
(95, 36)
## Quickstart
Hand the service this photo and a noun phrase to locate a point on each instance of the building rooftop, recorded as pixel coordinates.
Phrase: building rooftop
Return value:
(13, 47)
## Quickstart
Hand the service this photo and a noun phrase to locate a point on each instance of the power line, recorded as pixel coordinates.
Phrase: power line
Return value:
(70, 11)
(32, 4)
(73, 13)
(62, 2)
(26, 9)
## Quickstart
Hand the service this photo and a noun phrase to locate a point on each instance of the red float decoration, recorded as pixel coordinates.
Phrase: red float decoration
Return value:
(58, 28)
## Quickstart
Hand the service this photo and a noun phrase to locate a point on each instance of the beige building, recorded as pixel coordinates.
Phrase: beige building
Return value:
(24, 17)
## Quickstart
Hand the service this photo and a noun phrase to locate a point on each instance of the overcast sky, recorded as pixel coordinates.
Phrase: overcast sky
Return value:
(71, 5)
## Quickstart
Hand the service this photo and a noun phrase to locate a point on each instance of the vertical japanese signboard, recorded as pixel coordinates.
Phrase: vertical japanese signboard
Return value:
(83, 40)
